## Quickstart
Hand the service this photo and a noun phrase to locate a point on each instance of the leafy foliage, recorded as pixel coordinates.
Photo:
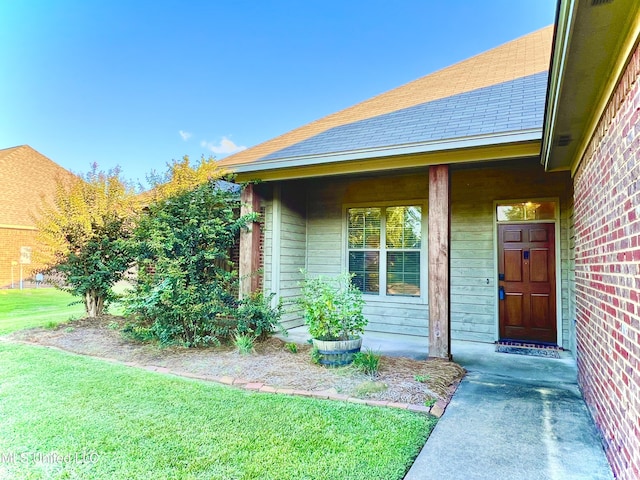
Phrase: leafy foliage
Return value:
(84, 236)
(332, 307)
(367, 362)
(316, 356)
(257, 317)
(182, 176)
(244, 343)
(187, 287)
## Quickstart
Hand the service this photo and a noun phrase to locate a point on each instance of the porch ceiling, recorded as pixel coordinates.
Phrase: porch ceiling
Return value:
(592, 41)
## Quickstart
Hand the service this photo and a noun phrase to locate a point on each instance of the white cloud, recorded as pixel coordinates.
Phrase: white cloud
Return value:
(225, 147)
(185, 135)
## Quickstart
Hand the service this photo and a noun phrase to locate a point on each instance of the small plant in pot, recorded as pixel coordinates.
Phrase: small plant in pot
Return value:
(332, 310)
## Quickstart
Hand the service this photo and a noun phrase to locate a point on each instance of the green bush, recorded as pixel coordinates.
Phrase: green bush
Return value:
(332, 307)
(137, 332)
(187, 288)
(256, 316)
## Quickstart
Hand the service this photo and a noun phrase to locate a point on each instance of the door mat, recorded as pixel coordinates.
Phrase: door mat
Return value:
(526, 348)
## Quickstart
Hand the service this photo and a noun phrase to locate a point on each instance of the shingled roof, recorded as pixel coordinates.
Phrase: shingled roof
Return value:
(501, 90)
(26, 176)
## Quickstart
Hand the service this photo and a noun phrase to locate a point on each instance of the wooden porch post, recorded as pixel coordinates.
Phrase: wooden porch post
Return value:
(249, 261)
(439, 281)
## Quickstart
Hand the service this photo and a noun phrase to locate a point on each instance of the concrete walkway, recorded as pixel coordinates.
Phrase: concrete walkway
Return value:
(513, 417)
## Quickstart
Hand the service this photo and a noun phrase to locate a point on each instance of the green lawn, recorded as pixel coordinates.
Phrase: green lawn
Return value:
(38, 307)
(35, 307)
(111, 421)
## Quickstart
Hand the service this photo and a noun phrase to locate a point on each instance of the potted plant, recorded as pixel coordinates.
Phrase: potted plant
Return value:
(333, 312)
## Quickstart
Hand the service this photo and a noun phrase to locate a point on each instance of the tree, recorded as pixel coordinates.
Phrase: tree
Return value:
(84, 235)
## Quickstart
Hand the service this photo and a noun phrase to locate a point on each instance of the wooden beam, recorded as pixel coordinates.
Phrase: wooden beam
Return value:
(439, 262)
(249, 262)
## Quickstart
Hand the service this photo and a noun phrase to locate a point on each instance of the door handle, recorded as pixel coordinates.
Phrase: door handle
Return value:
(501, 293)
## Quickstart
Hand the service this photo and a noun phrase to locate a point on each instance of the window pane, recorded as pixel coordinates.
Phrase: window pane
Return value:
(404, 227)
(403, 273)
(364, 227)
(523, 211)
(356, 262)
(366, 267)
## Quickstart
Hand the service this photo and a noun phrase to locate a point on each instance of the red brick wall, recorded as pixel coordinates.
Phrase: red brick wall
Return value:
(607, 262)
(11, 239)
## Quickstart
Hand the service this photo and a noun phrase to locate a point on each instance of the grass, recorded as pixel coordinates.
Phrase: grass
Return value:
(36, 307)
(369, 387)
(112, 421)
(39, 307)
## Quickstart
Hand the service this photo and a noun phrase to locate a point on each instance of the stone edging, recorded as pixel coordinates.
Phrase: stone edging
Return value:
(437, 409)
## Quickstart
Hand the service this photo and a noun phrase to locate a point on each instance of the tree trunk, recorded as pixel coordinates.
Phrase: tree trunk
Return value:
(94, 304)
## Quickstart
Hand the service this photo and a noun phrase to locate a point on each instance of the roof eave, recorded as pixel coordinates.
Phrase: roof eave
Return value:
(589, 56)
(515, 144)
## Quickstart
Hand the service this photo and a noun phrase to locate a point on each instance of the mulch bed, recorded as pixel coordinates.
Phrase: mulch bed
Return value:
(271, 364)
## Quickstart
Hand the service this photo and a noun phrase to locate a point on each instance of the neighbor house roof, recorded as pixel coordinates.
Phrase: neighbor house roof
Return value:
(501, 91)
(26, 177)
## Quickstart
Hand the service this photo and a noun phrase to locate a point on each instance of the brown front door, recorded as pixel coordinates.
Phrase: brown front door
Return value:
(527, 282)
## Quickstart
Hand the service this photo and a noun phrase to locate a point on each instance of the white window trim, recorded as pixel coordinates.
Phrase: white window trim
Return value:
(382, 297)
(558, 235)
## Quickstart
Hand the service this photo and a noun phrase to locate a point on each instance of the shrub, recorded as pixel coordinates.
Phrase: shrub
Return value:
(137, 332)
(187, 287)
(332, 307)
(256, 316)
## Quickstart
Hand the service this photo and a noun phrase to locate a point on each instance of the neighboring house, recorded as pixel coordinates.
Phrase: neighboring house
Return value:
(495, 199)
(26, 177)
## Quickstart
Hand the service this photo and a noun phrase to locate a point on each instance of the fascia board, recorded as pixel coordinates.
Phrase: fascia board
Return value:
(425, 147)
(563, 32)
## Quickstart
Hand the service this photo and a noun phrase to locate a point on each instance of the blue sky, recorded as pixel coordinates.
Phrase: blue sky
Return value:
(137, 83)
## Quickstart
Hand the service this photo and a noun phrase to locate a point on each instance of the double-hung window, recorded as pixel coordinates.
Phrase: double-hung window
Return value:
(383, 245)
